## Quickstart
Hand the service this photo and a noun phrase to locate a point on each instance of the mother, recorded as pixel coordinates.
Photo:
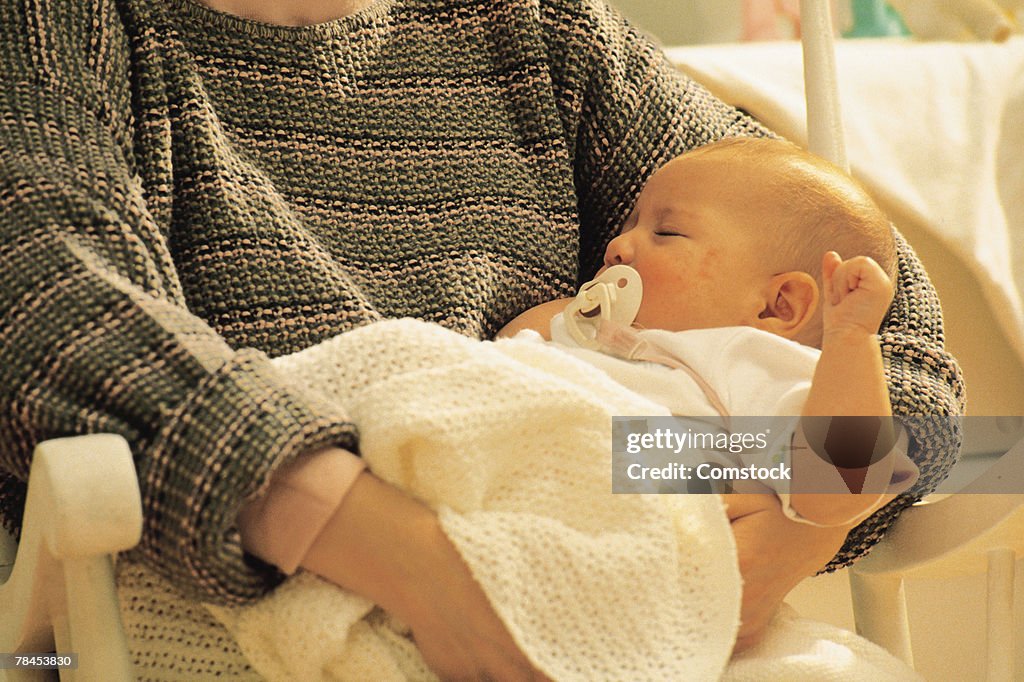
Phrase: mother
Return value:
(187, 188)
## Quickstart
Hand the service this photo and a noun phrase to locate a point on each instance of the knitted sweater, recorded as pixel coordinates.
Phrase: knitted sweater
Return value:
(184, 193)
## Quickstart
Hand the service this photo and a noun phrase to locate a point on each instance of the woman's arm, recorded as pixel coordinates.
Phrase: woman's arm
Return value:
(383, 545)
(775, 554)
(96, 334)
(324, 512)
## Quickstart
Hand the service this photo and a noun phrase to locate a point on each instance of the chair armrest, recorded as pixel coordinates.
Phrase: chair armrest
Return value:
(83, 506)
(959, 534)
(950, 536)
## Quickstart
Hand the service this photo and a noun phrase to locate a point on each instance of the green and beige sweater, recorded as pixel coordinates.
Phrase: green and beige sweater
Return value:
(184, 193)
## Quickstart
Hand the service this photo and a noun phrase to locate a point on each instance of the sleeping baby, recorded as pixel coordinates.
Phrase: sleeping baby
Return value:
(734, 248)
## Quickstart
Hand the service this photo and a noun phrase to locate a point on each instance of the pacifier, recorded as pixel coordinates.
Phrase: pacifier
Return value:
(614, 295)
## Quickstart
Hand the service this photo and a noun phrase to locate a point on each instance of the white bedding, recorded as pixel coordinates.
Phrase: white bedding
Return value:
(934, 130)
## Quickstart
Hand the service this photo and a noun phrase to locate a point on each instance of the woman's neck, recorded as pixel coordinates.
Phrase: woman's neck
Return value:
(289, 12)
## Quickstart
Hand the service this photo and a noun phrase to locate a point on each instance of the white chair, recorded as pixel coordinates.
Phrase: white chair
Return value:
(83, 507)
(958, 534)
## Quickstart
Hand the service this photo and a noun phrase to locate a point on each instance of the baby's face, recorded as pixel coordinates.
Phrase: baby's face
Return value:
(691, 239)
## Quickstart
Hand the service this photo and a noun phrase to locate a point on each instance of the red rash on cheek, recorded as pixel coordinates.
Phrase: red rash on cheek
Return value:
(709, 265)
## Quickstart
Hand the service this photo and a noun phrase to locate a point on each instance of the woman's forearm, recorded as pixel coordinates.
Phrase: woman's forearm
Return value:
(378, 543)
(775, 554)
(388, 547)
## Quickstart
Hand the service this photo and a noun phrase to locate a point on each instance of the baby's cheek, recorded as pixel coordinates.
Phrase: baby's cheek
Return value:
(662, 312)
(710, 266)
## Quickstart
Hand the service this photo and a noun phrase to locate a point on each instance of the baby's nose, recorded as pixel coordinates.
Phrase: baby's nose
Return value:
(618, 252)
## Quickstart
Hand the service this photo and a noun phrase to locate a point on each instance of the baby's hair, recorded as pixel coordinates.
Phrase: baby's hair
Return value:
(825, 210)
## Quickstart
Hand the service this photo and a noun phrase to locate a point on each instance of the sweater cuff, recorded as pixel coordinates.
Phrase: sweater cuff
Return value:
(280, 526)
(220, 447)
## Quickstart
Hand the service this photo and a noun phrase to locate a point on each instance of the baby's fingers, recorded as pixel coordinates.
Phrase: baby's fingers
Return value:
(829, 264)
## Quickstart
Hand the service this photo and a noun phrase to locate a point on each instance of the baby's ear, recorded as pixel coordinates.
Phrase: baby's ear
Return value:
(790, 303)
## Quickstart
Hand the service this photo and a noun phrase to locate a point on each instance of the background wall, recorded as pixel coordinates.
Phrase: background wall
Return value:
(684, 22)
(688, 22)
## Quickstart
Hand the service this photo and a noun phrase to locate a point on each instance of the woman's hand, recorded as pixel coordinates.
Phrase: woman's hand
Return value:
(775, 554)
(385, 546)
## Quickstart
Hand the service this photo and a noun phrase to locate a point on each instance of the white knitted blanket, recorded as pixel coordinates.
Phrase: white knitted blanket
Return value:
(510, 442)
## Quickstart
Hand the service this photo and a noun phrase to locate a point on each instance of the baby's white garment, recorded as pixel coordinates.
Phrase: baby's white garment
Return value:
(796, 649)
(744, 371)
(753, 372)
(750, 373)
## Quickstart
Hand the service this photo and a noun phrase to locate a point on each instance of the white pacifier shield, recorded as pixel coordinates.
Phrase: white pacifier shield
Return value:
(626, 290)
(613, 295)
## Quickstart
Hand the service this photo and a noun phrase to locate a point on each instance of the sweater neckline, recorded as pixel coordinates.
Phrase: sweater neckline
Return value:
(218, 19)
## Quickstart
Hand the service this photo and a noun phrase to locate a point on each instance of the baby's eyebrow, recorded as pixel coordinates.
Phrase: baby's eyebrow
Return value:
(671, 211)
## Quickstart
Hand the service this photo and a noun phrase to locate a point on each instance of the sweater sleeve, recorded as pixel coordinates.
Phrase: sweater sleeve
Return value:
(629, 111)
(95, 336)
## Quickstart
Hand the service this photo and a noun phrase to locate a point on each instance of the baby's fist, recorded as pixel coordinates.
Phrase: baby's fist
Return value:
(857, 293)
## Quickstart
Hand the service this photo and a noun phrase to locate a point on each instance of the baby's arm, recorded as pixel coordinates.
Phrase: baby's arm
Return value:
(537, 318)
(849, 389)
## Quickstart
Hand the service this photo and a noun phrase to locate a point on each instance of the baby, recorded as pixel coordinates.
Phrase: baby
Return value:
(737, 244)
